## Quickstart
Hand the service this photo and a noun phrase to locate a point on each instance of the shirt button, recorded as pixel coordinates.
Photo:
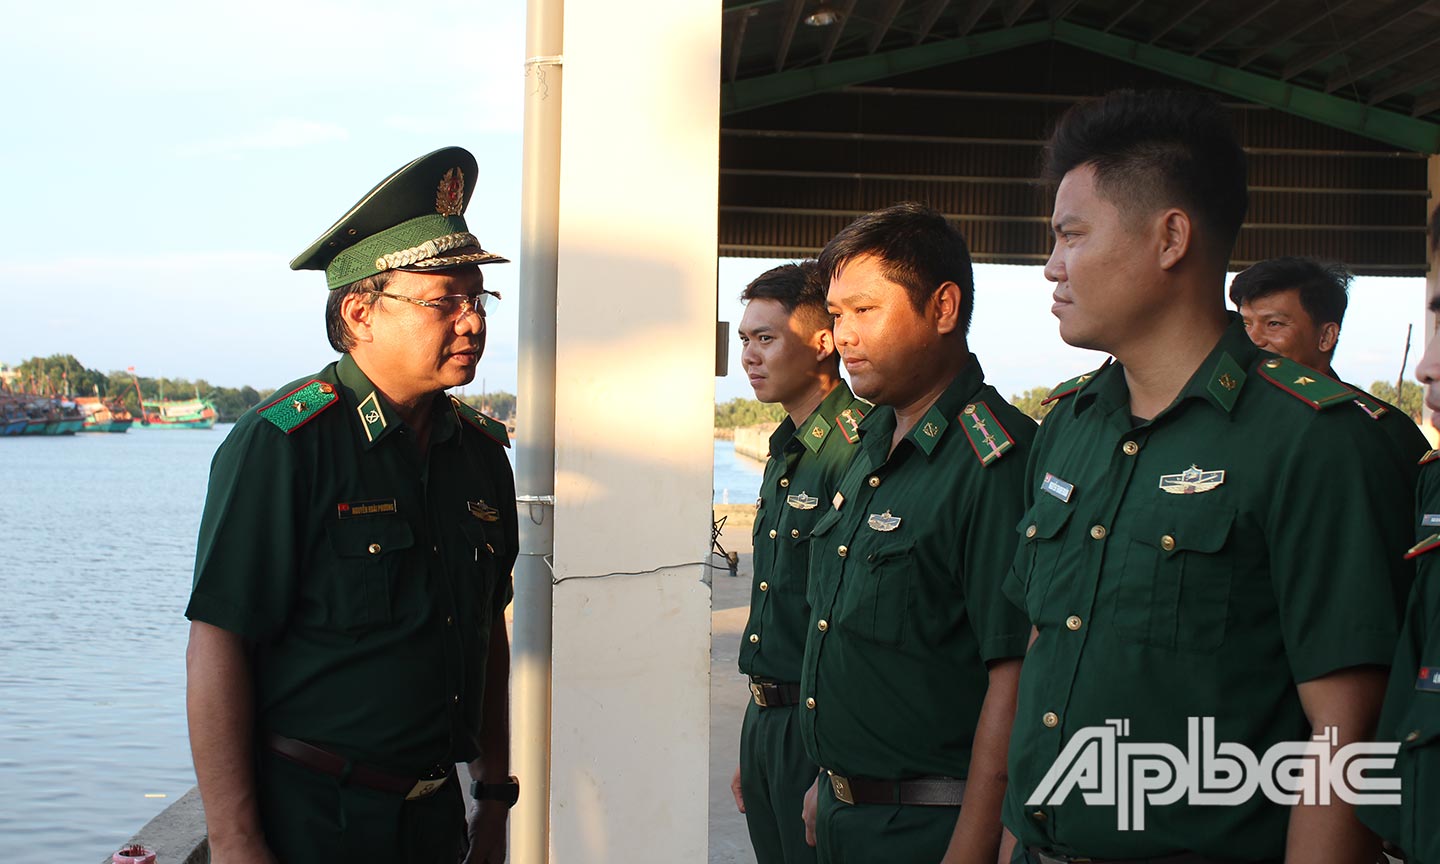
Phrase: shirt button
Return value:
(1051, 719)
(1412, 737)
(1130, 448)
(1073, 622)
(435, 549)
(874, 482)
(772, 533)
(1038, 816)
(784, 482)
(1167, 543)
(794, 532)
(764, 586)
(1030, 532)
(1098, 532)
(823, 625)
(754, 638)
(455, 698)
(374, 548)
(810, 703)
(449, 621)
(1272, 364)
(843, 551)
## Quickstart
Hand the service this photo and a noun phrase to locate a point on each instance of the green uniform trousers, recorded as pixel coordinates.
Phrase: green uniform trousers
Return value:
(312, 818)
(871, 833)
(775, 774)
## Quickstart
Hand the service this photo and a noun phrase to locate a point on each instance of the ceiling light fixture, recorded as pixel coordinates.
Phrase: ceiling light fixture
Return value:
(823, 16)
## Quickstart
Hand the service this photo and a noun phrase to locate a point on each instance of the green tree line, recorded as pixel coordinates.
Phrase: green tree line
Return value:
(746, 412)
(62, 373)
(500, 405)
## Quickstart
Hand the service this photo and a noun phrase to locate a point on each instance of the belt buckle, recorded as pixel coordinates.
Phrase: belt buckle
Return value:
(841, 787)
(758, 694)
(428, 784)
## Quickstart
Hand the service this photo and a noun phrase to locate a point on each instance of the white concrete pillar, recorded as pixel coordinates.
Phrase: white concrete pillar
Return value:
(634, 430)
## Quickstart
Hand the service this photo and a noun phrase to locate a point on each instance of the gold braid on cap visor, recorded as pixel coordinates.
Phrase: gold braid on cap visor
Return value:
(428, 249)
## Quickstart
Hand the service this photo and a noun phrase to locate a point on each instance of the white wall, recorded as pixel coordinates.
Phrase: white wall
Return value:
(635, 389)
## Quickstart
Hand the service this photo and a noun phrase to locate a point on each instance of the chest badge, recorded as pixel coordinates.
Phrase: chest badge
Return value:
(802, 501)
(373, 507)
(1429, 679)
(1053, 485)
(482, 511)
(1191, 481)
(883, 521)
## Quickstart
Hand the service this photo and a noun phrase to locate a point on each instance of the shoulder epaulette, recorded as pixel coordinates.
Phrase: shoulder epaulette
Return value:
(1315, 389)
(1426, 545)
(493, 428)
(1430, 456)
(848, 422)
(1370, 405)
(1065, 388)
(987, 437)
(299, 406)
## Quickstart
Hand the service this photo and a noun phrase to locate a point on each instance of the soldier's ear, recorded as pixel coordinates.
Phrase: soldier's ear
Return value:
(824, 342)
(357, 310)
(1176, 236)
(1329, 335)
(947, 307)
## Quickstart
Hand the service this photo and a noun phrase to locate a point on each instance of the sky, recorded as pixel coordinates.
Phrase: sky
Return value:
(163, 162)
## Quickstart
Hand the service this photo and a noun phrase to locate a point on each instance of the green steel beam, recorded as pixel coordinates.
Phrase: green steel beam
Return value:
(797, 83)
(1395, 129)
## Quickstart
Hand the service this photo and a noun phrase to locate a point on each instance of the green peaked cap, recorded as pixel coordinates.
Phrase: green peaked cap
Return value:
(413, 220)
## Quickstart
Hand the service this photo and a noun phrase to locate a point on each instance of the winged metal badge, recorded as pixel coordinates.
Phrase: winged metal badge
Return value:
(482, 511)
(1191, 481)
(802, 501)
(884, 521)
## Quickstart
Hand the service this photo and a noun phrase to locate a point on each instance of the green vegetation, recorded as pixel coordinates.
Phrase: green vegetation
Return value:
(1409, 401)
(746, 412)
(500, 405)
(62, 373)
(1029, 402)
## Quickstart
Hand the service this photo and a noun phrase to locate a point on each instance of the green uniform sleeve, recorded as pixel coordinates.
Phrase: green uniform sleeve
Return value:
(509, 518)
(249, 554)
(1000, 626)
(1015, 575)
(1338, 533)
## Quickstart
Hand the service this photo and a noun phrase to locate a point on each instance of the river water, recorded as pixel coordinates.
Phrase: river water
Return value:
(97, 541)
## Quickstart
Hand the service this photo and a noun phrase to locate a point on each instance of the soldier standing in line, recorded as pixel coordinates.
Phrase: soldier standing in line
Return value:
(789, 356)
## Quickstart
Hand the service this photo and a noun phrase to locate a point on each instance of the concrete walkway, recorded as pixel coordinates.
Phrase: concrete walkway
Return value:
(729, 608)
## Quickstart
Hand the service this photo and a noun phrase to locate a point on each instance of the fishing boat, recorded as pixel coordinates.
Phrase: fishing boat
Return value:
(13, 419)
(66, 417)
(177, 414)
(102, 416)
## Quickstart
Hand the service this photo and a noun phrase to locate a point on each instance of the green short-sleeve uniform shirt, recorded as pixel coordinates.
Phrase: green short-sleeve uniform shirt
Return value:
(366, 576)
(801, 476)
(905, 587)
(1200, 564)
(1412, 701)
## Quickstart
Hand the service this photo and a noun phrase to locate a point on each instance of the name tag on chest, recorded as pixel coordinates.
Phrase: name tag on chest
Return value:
(351, 509)
(1059, 488)
(1429, 679)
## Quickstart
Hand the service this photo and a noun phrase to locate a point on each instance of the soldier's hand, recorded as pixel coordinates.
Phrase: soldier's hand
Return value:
(486, 832)
(807, 811)
(735, 790)
(241, 850)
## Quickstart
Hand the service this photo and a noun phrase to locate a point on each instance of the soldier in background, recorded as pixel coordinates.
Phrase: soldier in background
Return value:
(789, 356)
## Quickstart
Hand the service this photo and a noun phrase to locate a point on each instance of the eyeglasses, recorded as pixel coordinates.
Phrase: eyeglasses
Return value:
(451, 306)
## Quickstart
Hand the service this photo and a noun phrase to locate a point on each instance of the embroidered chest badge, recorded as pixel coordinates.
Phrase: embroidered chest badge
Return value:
(883, 521)
(802, 501)
(1191, 481)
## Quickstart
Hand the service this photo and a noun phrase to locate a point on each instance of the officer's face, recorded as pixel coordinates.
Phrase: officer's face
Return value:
(425, 348)
(888, 346)
(1429, 369)
(781, 356)
(1100, 267)
(1277, 322)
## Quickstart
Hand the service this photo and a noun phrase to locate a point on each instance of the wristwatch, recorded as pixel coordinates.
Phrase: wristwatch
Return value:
(506, 793)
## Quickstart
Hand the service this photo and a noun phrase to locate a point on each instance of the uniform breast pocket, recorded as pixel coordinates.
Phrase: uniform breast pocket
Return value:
(480, 572)
(1042, 532)
(1419, 768)
(369, 565)
(878, 601)
(1175, 585)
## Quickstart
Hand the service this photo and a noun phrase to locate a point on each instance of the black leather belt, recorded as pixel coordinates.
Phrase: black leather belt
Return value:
(921, 791)
(1041, 857)
(773, 694)
(333, 764)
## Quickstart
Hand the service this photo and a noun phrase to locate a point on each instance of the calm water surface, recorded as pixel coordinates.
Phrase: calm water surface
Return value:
(97, 541)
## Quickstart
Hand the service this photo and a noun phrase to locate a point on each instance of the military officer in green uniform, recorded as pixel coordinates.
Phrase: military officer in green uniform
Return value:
(347, 645)
(789, 356)
(1211, 551)
(1411, 715)
(1294, 307)
(913, 654)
